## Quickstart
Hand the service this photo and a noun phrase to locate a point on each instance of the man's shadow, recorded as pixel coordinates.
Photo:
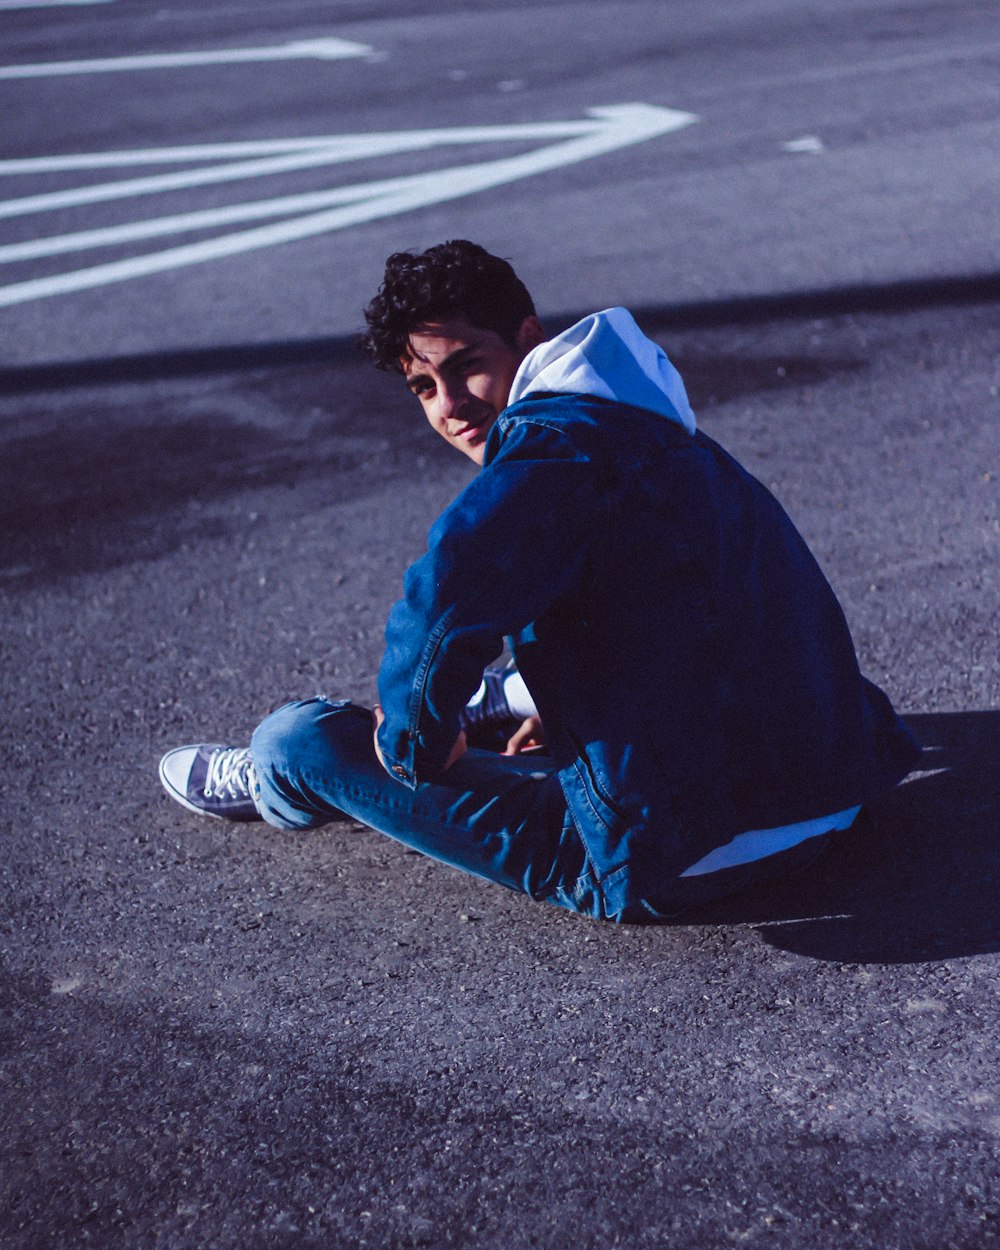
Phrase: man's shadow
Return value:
(918, 880)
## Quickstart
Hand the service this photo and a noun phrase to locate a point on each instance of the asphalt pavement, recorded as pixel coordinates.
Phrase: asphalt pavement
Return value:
(227, 1036)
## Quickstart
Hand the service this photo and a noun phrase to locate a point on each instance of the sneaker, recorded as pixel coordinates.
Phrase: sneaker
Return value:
(487, 720)
(212, 780)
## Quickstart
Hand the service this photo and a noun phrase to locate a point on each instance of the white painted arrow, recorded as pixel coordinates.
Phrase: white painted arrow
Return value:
(323, 49)
(347, 147)
(613, 127)
(275, 159)
(179, 223)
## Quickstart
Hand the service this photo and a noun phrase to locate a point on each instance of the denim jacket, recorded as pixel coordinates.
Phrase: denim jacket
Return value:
(691, 665)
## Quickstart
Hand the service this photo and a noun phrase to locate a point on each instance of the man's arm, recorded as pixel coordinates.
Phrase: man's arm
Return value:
(507, 549)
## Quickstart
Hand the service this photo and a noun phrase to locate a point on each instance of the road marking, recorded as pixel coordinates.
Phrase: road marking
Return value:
(610, 128)
(281, 157)
(809, 144)
(302, 49)
(255, 210)
(45, 4)
(354, 146)
(103, 191)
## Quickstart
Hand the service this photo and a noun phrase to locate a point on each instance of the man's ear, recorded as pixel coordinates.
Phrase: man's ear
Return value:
(529, 334)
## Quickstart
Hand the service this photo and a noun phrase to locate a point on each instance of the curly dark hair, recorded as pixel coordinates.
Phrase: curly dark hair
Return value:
(454, 279)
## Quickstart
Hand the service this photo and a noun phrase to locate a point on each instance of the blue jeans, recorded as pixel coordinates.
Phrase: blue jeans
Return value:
(500, 817)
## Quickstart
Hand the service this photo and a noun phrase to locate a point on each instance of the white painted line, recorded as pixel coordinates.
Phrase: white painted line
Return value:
(179, 223)
(322, 49)
(354, 146)
(45, 4)
(808, 144)
(614, 127)
(101, 192)
(289, 155)
(171, 156)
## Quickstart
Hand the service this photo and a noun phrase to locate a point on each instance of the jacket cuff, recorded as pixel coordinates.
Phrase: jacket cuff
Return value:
(399, 756)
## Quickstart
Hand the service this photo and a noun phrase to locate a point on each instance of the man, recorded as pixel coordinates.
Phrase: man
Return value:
(696, 722)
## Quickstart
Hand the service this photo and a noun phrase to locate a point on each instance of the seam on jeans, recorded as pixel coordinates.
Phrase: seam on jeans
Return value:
(596, 876)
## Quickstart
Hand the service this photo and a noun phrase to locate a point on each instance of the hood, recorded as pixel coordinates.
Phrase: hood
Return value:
(606, 355)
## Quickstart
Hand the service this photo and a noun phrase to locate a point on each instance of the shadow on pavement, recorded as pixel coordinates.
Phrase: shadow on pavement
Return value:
(112, 476)
(886, 297)
(102, 491)
(919, 881)
(121, 473)
(143, 1124)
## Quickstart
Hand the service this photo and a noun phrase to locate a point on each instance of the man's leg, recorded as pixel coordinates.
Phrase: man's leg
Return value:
(500, 817)
(217, 780)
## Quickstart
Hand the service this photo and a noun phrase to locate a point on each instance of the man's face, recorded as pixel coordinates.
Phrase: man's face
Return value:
(462, 376)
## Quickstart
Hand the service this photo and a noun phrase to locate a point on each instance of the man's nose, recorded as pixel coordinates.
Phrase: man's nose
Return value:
(453, 399)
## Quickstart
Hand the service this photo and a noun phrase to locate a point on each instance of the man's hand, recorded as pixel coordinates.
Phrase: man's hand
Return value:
(378, 716)
(530, 737)
(456, 753)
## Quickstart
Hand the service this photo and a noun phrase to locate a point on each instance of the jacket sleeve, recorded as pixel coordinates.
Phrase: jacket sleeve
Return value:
(511, 545)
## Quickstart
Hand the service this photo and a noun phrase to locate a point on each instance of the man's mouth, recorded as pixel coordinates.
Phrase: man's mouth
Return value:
(471, 429)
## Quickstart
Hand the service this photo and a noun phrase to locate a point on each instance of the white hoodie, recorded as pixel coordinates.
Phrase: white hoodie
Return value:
(607, 355)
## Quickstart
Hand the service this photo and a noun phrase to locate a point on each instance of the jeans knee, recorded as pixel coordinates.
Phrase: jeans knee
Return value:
(296, 754)
(289, 733)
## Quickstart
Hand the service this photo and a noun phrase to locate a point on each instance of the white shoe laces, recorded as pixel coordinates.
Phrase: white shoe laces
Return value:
(230, 770)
